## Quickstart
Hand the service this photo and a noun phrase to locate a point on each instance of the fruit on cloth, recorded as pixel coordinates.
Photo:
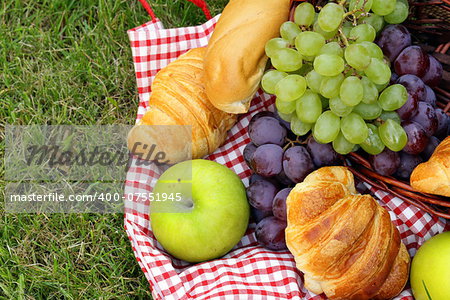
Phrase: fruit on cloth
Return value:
(209, 212)
(430, 272)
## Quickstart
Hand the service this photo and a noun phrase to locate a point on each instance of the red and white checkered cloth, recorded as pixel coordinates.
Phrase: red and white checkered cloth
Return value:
(249, 271)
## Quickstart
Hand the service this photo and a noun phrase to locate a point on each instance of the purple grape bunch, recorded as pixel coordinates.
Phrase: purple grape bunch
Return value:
(425, 124)
(279, 161)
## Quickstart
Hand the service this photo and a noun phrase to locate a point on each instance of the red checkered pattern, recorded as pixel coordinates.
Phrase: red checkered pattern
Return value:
(249, 271)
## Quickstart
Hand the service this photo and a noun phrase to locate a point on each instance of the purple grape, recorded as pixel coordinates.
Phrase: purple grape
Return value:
(426, 116)
(260, 194)
(394, 78)
(393, 39)
(433, 74)
(429, 149)
(258, 215)
(322, 154)
(409, 109)
(267, 160)
(279, 204)
(283, 122)
(270, 233)
(430, 96)
(417, 137)
(248, 152)
(385, 163)
(361, 187)
(408, 163)
(261, 114)
(414, 85)
(283, 179)
(412, 60)
(267, 130)
(442, 119)
(255, 177)
(297, 163)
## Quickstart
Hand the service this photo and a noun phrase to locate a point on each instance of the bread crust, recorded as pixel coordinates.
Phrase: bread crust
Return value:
(344, 243)
(235, 59)
(179, 98)
(433, 176)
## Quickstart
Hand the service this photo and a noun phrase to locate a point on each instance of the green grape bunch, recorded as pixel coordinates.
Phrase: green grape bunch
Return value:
(332, 81)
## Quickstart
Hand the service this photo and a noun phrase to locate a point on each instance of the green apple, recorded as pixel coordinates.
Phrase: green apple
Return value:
(199, 210)
(430, 269)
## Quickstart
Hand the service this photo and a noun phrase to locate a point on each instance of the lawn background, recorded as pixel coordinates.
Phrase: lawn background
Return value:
(69, 62)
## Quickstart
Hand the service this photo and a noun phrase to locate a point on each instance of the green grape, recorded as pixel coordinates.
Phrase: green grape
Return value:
(332, 48)
(346, 28)
(290, 87)
(368, 111)
(289, 30)
(308, 43)
(308, 58)
(286, 107)
(372, 49)
(275, 44)
(298, 127)
(325, 102)
(339, 108)
(383, 7)
(363, 32)
(309, 107)
(358, 5)
(329, 65)
(393, 135)
(313, 79)
(357, 56)
(304, 14)
(351, 91)
(399, 14)
(354, 128)
(381, 87)
(341, 145)
(378, 71)
(325, 34)
(330, 16)
(375, 20)
(370, 94)
(393, 97)
(305, 69)
(386, 115)
(329, 87)
(286, 117)
(373, 144)
(287, 60)
(270, 80)
(327, 127)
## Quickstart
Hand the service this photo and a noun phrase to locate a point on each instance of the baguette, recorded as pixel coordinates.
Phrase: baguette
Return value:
(235, 59)
(433, 176)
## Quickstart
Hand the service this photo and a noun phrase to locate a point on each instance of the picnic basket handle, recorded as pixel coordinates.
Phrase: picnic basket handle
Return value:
(200, 3)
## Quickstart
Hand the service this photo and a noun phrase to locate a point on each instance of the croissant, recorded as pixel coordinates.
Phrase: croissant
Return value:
(178, 98)
(433, 176)
(343, 242)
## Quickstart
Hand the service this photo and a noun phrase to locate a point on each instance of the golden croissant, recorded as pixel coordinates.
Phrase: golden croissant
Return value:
(433, 176)
(344, 243)
(178, 98)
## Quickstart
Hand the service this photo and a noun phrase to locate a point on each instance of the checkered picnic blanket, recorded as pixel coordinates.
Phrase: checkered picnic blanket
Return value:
(249, 271)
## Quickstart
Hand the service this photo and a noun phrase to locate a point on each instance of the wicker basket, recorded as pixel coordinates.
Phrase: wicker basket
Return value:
(429, 24)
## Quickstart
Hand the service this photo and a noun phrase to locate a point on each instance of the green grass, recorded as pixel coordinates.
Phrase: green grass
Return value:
(69, 62)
